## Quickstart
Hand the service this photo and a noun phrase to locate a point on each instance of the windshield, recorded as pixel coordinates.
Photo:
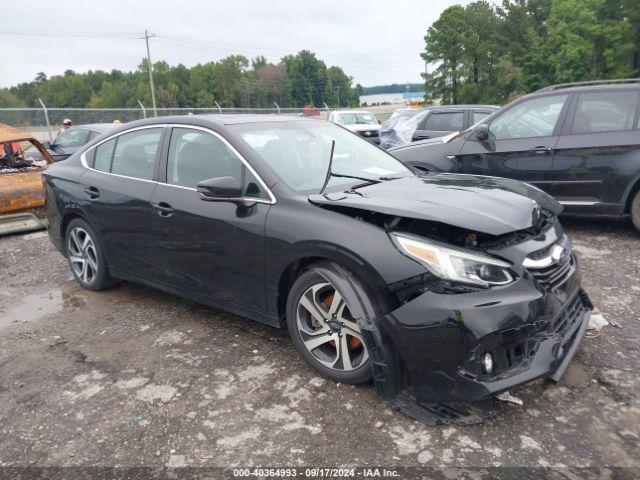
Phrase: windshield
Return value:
(76, 137)
(356, 118)
(299, 151)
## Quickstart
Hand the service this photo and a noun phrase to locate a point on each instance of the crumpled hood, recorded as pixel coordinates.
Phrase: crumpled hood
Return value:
(484, 204)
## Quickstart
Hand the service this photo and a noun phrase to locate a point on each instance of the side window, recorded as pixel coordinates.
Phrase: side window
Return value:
(531, 118)
(605, 112)
(103, 154)
(135, 153)
(478, 117)
(445, 121)
(195, 155)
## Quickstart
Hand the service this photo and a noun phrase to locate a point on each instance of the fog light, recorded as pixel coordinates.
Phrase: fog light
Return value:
(487, 362)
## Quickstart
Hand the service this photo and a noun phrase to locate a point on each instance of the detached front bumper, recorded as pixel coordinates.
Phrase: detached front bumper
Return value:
(530, 333)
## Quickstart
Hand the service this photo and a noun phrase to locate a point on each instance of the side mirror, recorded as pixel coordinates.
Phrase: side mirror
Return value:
(482, 132)
(47, 145)
(219, 189)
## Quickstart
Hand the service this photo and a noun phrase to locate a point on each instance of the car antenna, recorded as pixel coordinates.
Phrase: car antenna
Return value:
(328, 177)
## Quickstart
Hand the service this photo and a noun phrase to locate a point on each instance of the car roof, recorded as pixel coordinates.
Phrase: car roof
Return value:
(235, 118)
(584, 88)
(221, 120)
(98, 127)
(447, 107)
(352, 111)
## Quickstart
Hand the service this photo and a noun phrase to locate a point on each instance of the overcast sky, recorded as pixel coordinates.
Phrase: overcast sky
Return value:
(375, 42)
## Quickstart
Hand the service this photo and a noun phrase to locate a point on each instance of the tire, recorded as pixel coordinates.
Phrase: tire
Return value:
(322, 338)
(635, 210)
(86, 257)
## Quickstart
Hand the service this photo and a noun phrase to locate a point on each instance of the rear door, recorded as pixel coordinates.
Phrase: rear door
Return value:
(440, 123)
(118, 184)
(599, 150)
(521, 142)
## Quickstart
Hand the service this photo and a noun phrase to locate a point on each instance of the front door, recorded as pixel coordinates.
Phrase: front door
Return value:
(214, 249)
(521, 143)
(592, 158)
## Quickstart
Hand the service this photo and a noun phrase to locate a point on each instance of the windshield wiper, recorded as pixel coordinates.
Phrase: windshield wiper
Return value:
(367, 181)
(329, 174)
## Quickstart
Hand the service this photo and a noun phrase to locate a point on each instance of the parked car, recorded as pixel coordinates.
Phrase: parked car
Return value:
(431, 122)
(463, 286)
(361, 122)
(21, 190)
(579, 143)
(70, 140)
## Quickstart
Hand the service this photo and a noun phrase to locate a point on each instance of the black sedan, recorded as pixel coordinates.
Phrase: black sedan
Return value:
(70, 140)
(456, 286)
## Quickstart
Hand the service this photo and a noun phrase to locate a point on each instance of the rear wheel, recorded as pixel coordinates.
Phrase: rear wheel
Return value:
(86, 257)
(635, 210)
(324, 332)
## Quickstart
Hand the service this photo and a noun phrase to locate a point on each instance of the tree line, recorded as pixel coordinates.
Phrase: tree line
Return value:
(234, 81)
(481, 53)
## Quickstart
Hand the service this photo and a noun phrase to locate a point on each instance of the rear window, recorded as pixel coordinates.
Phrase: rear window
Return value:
(598, 112)
(130, 154)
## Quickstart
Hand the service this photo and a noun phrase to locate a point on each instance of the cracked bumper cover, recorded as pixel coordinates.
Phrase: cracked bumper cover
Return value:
(437, 340)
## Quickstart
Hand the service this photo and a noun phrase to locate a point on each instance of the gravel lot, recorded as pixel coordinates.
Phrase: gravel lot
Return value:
(134, 377)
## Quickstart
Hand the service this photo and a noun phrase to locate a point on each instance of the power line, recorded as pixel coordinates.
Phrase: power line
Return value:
(120, 35)
(221, 46)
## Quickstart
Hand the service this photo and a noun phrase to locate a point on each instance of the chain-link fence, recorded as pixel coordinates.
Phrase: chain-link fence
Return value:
(45, 122)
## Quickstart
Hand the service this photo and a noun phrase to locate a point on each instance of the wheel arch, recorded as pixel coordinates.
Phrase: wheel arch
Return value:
(335, 254)
(635, 188)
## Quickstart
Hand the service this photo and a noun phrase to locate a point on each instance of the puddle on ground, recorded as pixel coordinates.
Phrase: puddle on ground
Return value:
(33, 307)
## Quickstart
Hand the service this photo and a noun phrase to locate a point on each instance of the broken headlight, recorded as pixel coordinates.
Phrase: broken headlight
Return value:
(455, 265)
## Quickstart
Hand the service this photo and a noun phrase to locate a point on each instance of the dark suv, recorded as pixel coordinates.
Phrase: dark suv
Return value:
(578, 142)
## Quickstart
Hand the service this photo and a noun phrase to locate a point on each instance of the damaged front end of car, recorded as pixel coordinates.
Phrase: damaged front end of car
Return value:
(490, 312)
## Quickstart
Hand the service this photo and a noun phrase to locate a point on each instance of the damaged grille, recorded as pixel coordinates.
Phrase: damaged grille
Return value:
(368, 133)
(554, 276)
(552, 266)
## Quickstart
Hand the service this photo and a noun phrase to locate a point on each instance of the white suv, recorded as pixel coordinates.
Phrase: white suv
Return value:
(361, 122)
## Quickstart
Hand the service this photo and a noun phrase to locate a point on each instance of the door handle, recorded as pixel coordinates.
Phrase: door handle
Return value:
(92, 192)
(541, 150)
(163, 209)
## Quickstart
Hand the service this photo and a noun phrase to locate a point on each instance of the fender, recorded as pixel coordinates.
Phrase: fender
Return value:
(278, 267)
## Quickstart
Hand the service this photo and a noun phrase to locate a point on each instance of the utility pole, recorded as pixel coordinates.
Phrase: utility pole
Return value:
(146, 37)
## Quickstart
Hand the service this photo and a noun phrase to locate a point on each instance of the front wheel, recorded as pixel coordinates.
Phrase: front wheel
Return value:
(86, 257)
(635, 211)
(324, 332)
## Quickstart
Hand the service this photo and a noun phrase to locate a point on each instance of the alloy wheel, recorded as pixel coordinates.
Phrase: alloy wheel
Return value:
(82, 255)
(327, 329)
